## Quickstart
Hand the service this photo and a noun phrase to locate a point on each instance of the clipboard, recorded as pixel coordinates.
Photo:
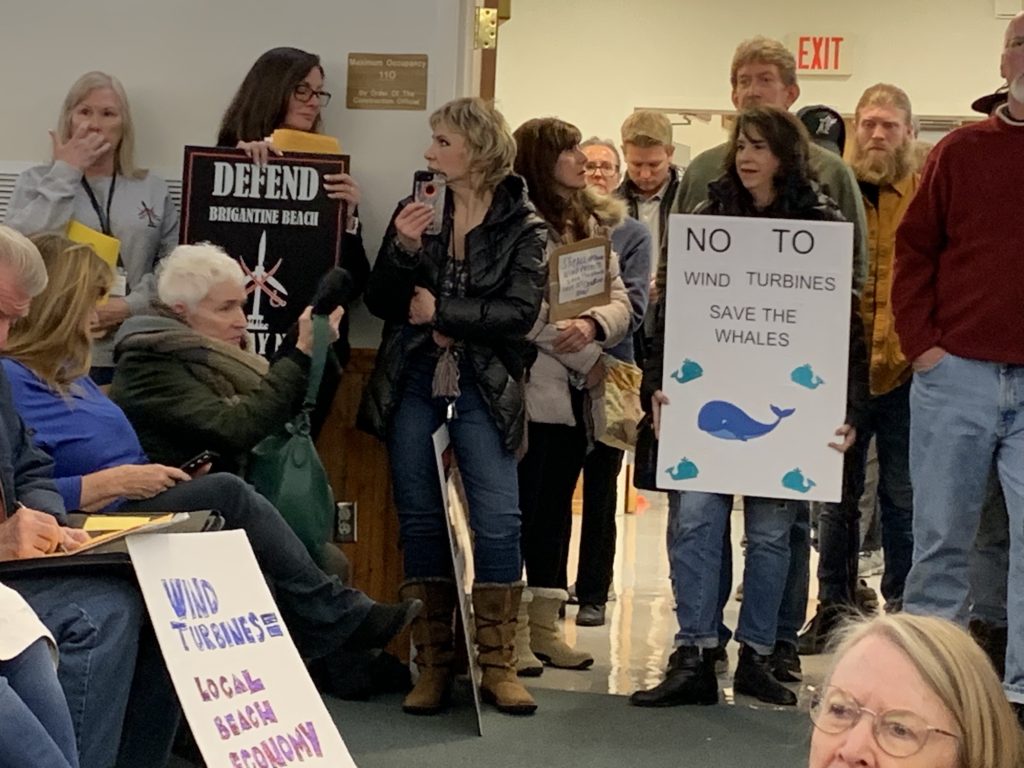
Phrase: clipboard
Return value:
(578, 278)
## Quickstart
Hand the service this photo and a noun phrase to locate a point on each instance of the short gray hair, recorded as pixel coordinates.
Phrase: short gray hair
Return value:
(190, 271)
(597, 141)
(23, 257)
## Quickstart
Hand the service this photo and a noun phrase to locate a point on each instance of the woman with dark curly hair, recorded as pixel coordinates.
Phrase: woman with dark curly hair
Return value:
(765, 174)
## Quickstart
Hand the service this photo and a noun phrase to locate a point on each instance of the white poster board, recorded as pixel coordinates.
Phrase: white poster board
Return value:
(460, 542)
(239, 678)
(756, 356)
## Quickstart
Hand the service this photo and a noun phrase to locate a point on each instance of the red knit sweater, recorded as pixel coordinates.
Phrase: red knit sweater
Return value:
(960, 248)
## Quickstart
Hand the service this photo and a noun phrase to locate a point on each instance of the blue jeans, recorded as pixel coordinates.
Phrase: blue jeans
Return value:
(965, 414)
(990, 559)
(696, 524)
(37, 730)
(488, 473)
(793, 610)
(95, 621)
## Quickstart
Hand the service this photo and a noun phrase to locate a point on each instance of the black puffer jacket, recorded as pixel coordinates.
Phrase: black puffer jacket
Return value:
(507, 276)
(806, 202)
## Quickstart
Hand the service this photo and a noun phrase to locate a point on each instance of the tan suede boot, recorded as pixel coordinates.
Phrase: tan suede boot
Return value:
(494, 611)
(527, 665)
(433, 637)
(545, 635)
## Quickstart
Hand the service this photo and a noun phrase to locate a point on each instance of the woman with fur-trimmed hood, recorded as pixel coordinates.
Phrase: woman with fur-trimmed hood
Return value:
(567, 365)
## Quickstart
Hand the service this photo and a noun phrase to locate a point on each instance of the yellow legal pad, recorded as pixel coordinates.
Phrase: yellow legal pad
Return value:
(289, 140)
(114, 522)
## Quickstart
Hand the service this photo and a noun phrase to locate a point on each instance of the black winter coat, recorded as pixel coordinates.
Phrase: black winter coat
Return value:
(807, 202)
(506, 282)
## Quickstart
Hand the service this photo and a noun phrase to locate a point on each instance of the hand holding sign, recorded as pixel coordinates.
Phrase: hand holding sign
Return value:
(259, 151)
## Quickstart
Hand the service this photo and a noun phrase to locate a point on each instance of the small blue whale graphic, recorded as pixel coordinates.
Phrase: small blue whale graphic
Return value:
(730, 422)
(805, 377)
(688, 371)
(794, 480)
(684, 470)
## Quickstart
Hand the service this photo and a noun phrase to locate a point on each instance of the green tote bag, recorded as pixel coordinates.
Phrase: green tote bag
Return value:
(286, 469)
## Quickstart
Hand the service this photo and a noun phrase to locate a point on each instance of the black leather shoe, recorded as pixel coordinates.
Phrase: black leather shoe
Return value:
(818, 632)
(719, 659)
(785, 663)
(590, 615)
(383, 622)
(690, 680)
(754, 678)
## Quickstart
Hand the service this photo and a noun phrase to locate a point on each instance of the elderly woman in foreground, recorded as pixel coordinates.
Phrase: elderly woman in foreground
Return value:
(912, 692)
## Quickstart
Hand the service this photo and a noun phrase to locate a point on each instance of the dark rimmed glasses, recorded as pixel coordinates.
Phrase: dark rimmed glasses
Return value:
(604, 169)
(304, 93)
(899, 733)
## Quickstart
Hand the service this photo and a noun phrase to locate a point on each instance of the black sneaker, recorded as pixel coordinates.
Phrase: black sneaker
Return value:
(754, 678)
(818, 632)
(590, 615)
(785, 663)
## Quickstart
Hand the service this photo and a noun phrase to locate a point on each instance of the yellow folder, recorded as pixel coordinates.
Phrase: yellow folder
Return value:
(106, 247)
(289, 140)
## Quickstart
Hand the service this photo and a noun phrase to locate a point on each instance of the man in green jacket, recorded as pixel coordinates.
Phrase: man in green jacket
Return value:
(764, 74)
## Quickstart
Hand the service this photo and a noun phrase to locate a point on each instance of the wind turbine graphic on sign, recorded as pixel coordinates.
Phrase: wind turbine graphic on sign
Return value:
(262, 282)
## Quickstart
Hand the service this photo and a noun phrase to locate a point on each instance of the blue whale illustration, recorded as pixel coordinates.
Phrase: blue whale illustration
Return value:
(730, 422)
(805, 377)
(794, 480)
(688, 371)
(684, 470)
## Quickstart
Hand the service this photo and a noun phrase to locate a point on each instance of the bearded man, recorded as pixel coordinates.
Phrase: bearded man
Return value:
(882, 160)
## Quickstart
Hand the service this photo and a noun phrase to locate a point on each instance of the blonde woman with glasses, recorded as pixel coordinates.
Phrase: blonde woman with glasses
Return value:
(912, 692)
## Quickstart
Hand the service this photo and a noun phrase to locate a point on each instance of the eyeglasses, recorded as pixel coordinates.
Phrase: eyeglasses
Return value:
(899, 733)
(605, 169)
(304, 93)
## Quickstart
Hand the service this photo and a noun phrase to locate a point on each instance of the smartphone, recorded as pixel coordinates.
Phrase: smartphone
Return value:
(428, 188)
(196, 462)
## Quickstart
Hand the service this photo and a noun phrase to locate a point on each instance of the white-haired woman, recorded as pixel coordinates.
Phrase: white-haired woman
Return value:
(185, 376)
(912, 692)
(93, 180)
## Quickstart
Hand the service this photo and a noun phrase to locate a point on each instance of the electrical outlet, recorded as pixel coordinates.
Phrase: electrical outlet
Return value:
(345, 522)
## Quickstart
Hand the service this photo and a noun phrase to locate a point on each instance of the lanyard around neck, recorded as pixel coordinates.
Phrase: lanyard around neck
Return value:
(104, 218)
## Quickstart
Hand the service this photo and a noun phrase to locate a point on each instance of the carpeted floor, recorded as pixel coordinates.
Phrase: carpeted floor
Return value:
(571, 729)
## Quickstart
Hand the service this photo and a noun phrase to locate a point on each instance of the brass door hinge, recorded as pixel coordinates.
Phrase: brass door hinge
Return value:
(486, 37)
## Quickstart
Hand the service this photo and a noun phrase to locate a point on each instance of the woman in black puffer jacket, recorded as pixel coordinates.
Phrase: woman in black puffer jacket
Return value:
(457, 307)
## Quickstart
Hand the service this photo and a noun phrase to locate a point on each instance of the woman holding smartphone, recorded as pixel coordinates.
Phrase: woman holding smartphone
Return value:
(457, 306)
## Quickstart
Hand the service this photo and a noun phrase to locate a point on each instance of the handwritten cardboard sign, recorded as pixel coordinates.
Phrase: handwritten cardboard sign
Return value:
(241, 683)
(578, 278)
(756, 352)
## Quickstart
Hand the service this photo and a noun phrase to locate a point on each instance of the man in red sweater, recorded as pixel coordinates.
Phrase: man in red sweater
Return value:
(958, 299)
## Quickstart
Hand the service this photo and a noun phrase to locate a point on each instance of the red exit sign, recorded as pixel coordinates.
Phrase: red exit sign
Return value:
(822, 54)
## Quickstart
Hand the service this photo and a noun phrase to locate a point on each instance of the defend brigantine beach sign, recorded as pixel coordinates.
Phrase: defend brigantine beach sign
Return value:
(241, 683)
(276, 220)
(756, 356)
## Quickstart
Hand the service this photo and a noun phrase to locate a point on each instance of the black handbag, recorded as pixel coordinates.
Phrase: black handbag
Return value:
(645, 458)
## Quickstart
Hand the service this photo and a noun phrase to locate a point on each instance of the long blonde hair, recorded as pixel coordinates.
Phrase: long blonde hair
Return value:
(124, 158)
(53, 340)
(960, 674)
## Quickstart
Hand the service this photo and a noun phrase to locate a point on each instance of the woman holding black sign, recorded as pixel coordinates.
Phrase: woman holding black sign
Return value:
(457, 306)
(568, 363)
(93, 181)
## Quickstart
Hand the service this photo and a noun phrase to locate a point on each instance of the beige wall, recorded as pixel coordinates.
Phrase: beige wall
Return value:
(181, 61)
(592, 61)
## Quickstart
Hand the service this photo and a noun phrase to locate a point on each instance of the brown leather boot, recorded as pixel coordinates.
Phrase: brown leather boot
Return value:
(494, 610)
(433, 638)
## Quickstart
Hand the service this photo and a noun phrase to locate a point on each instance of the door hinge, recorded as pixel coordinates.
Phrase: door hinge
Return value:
(486, 37)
